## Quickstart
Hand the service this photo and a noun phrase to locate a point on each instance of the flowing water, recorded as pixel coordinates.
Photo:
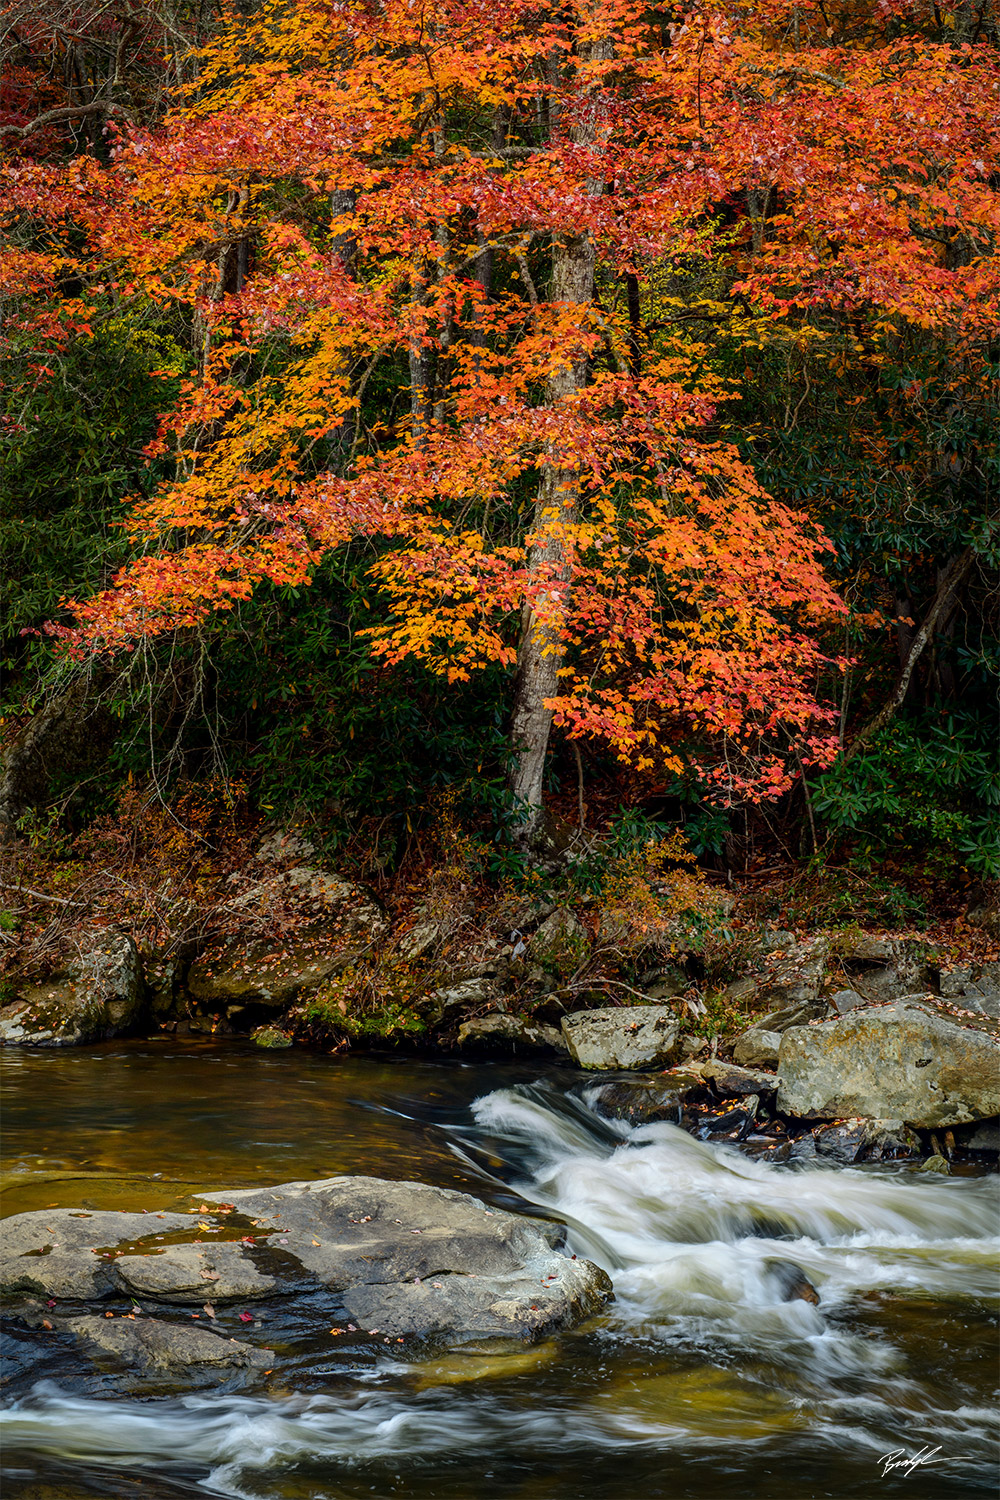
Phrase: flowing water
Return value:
(699, 1380)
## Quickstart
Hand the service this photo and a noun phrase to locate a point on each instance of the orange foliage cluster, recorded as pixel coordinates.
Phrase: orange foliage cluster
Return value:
(368, 158)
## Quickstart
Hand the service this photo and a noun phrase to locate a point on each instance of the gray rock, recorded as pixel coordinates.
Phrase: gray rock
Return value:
(976, 989)
(561, 935)
(472, 990)
(419, 940)
(849, 1141)
(845, 1000)
(188, 1273)
(258, 974)
(794, 974)
(666, 984)
(635, 1036)
(100, 996)
(148, 1344)
(415, 1259)
(757, 1047)
(285, 844)
(499, 1028)
(730, 1080)
(740, 989)
(401, 1257)
(54, 1252)
(865, 948)
(905, 1061)
(904, 972)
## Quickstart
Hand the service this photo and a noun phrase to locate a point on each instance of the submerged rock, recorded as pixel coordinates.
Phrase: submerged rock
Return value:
(99, 996)
(635, 1036)
(150, 1344)
(905, 1061)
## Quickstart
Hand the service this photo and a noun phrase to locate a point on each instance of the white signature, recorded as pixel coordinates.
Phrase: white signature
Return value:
(900, 1459)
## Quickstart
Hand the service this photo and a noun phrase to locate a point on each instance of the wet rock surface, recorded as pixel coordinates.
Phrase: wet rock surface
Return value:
(396, 1259)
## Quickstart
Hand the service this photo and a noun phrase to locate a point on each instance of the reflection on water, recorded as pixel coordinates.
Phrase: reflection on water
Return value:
(702, 1379)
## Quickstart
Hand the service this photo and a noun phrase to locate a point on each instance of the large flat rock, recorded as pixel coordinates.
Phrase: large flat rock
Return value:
(906, 1061)
(399, 1257)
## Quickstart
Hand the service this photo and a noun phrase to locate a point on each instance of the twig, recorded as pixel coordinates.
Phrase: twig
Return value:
(40, 895)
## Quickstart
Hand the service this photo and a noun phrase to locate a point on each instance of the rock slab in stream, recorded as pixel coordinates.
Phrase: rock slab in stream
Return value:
(905, 1061)
(413, 1259)
(635, 1036)
(400, 1257)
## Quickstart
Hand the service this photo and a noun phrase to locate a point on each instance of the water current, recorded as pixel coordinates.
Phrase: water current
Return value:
(700, 1379)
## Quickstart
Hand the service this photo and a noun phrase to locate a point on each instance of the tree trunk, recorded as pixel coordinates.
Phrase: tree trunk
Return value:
(950, 579)
(542, 651)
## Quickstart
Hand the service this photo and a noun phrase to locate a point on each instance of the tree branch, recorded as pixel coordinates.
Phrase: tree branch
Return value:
(951, 578)
(58, 116)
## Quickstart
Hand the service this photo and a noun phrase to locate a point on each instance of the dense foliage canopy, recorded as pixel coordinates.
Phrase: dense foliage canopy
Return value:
(621, 369)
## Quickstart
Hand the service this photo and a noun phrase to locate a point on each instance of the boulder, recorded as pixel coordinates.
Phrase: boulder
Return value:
(261, 974)
(906, 1061)
(501, 1029)
(795, 973)
(473, 989)
(757, 1047)
(985, 1137)
(845, 1000)
(283, 845)
(848, 1141)
(397, 1258)
(150, 1344)
(635, 1036)
(101, 995)
(411, 1259)
(974, 988)
(419, 940)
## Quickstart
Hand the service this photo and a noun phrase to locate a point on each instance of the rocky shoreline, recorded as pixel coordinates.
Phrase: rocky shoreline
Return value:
(820, 1028)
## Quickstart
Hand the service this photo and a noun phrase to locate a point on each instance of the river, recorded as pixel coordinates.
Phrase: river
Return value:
(699, 1380)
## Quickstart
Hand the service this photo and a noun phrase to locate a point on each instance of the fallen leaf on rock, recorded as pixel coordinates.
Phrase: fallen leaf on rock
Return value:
(246, 1317)
(109, 1315)
(47, 1324)
(209, 1309)
(209, 1275)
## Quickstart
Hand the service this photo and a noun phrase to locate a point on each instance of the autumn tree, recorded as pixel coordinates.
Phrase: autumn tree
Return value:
(488, 212)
